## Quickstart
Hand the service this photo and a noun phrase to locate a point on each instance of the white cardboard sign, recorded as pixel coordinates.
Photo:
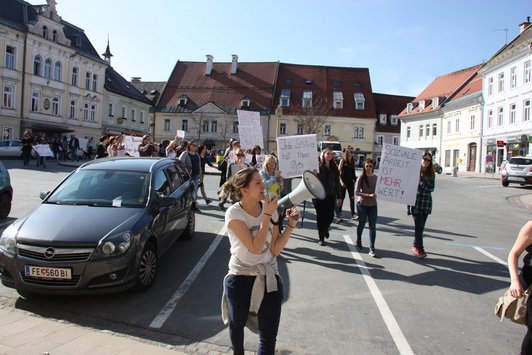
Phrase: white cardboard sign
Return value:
(297, 154)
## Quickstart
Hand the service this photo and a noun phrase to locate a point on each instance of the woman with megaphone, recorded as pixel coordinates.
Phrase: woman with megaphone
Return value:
(253, 290)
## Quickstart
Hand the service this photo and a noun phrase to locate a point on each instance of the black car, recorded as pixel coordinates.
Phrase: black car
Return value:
(102, 229)
(6, 192)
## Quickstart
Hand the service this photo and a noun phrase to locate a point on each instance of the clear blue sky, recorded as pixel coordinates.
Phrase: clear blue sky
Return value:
(405, 44)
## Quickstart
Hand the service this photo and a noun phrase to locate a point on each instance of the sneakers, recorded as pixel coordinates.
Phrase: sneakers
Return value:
(354, 217)
(359, 245)
(208, 202)
(221, 205)
(419, 252)
(339, 219)
(372, 253)
(321, 242)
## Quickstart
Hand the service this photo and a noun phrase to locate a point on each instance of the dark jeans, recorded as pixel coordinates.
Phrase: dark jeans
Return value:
(419, 226)
(350, 188)
(238, 290)
(26, 157)
(324, 214)
(369, 213)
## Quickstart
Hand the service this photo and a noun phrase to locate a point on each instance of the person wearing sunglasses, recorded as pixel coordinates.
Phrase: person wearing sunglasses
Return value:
(423, 206)
(367, 205)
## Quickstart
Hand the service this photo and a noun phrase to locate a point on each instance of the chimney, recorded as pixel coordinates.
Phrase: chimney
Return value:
(234, 64)
(524, 25)
(208, 66)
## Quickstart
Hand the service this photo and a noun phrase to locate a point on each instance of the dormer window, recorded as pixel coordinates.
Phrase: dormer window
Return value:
(183, 99)
(382, 119)
(421, 105)
(359, 101)
(54, 35)
(308, 82)
(307, 99)
(409, 107)
(435, 102)
(245, 102)
(338, 100)
(45, 32)
(284, 99)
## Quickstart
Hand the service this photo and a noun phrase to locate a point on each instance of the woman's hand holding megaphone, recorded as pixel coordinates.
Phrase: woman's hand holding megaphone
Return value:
(293, 215)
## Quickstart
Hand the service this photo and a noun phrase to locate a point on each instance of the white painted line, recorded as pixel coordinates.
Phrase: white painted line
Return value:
(172, 303)
(386, 313)
(490, 255)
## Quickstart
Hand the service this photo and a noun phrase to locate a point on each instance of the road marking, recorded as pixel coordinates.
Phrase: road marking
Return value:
(473, 246)
(172, 303)
(386, 313)
(490, 255)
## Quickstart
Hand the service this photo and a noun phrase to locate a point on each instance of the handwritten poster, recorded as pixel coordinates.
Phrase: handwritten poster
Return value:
(43, 150)
(132, 145)
(297, 154)
(398, 174)
(180, 134)
(249, 129)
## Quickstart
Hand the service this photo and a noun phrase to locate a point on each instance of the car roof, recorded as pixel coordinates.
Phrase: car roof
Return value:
(145, 164)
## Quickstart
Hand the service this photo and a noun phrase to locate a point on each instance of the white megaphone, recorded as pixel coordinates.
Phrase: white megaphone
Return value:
(309, 187)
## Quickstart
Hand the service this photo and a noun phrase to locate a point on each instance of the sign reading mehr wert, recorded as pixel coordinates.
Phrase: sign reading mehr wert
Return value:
(399, 174)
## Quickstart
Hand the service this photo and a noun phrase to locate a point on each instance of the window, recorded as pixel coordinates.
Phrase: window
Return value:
(448, 126)
(54, 35)
(7, 132)
(86, 112)
(409, 107)
(457, 125)
(300, 129)
(75, 76)
(420, 131)
(245, 102)
(37, 63)
(512, 113)
(434, 129)
(421, 105)
(166, 124)
(282, 128)
(359, 100)
(338, 100)
(141, 117)
(94, 82)
(472, 122)
(10, 57)
(490, 86)
(395, 140)
(184, 125)
(88, 76)
(408, 132)
(307, 98)
(133, 115)
(513, 77)
(380, 140)
(427, 130)
(526, 110)
(205, 125)
(35, 101)
(328, 130)
(214, 126)
(55, 106)
(393, 120)
(45, 32)
(111, 109)
(9, 96)
(93, 113)
(500, 116)
(358, 132)
(58, 71)
(448, 157)
(490, 118)
(235, 126)
(48, 68)
(526, 74)
(284, 100)
(382, 118)
(73, 109)
(183, 100)
(501, 82)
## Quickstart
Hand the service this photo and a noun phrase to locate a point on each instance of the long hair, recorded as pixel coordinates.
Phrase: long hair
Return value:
(269, 158)
(429, 170)
(365, 179)
(231, 188)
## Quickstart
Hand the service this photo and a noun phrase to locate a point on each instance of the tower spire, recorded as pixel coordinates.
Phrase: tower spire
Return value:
(107, 55)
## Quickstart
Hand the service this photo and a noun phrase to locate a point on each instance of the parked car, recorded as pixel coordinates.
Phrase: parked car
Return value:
(517, 170)
(6, 192)
(102, 229)
(10, 148)
(437, 167)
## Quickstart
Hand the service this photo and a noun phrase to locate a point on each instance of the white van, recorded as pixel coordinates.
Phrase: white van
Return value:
(336, 147)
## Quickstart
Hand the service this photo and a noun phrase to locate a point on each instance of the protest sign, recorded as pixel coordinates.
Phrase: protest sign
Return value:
(43, 150)
(180, 133)
(132, 145)
(249, 129)
(398, 176)
(297, 154)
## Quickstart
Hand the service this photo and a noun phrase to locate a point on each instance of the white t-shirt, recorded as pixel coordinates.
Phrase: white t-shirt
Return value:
(238, 249)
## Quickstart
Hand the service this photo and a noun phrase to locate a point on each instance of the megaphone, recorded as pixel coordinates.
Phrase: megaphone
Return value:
(309, 187)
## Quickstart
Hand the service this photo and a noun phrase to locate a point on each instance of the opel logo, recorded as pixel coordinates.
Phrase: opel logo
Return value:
(49, 253)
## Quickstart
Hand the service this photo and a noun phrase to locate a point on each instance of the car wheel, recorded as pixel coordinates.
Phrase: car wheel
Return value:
(505, 183)
(188, 233)
(5, 205)
(147, 268)
(440, 170)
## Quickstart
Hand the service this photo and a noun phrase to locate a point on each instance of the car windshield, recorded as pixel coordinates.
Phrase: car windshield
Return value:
(103, 188)
(520, 161)
(334, 146)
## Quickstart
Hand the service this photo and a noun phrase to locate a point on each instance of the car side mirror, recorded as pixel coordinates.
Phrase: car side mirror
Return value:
(43, 194)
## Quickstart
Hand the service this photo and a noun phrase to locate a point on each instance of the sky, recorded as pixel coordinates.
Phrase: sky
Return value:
(405, 44)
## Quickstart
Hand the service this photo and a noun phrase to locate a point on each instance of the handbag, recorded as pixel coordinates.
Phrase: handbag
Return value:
(515, 309)
(222, 165)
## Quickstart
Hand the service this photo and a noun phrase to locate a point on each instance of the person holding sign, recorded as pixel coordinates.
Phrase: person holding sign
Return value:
(330, 178)
(367, 205)
(423, 207)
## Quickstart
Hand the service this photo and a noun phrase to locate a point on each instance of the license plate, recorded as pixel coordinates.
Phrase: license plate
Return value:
(514, 178)
(54, 273)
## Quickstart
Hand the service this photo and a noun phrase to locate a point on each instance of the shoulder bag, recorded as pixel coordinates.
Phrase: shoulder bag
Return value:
(515, 309)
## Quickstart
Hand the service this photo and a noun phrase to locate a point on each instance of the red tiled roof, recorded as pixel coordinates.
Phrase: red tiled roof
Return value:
(254, 80)
(389, 105)
(325, 80)
(473, 86)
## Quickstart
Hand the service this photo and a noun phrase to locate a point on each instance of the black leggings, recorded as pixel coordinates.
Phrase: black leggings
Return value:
(351, 189)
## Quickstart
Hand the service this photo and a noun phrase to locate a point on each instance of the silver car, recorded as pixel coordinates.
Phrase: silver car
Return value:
(517, 170)
(10, 148)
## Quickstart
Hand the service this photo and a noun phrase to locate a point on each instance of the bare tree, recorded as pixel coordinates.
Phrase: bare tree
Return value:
(197, 118)
(313, 118)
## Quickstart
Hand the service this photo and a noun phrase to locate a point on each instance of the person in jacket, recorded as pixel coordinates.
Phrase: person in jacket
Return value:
(348, 177)
(203, 161)
(253, 289)
(367, 205)
(423, 206)
(192, 162)
(330, 178)
(26, 148)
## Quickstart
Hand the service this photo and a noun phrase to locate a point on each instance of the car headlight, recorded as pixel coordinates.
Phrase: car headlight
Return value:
(8, 240)
(114, 245)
